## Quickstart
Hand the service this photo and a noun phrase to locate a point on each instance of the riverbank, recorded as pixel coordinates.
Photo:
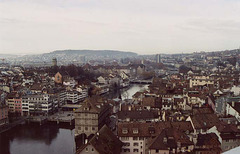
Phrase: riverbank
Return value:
(12, 125)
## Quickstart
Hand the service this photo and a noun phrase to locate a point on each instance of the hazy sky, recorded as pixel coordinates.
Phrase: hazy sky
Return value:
(142, 26)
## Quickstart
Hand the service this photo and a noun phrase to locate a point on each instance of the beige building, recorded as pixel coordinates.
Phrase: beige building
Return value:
(90, 117)
(137, 136)
(200, 81)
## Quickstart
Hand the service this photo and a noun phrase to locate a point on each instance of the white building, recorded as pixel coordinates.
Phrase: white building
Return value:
(37, 104)
(200, 81)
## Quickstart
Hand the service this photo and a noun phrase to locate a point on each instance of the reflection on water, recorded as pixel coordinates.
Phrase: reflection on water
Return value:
(127, 93)
(35, 139)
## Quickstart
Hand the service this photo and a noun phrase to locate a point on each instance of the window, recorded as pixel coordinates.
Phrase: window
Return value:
(92, 149)
(124, 131)
(135, 150)
(86, 128)
(157, 151)
(126, 144)
(86, 149)
(135, 131)
(93, 128)
(126, 150)
(124, 138)
(135, 138)
(135, 144)
(141, 138)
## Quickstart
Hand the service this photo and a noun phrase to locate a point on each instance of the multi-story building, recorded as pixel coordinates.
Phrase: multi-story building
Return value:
(3, 114)
(158, 58)
(90, 117)
(37, 104)
(83, 91)
(201, 81)
(136, 136)
(14, 102)
(72, 97)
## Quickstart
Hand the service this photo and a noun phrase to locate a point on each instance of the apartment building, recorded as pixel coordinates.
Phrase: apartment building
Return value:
(200, 81)
(90, 117)
(37, 104)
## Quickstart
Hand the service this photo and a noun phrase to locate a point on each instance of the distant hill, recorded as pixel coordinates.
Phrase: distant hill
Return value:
(94, 52)
(90, 54)
(77, 55)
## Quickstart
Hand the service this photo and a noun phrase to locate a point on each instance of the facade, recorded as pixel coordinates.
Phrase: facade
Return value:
(158, 58)
(3, 115)
(14, 102)
(37, 104)
(89, 118)
(72, 97)
(137, 136)
(201, 81)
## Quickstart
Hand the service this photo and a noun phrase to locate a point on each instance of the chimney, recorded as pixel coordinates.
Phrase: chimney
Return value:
(97, 135)
(86, 141)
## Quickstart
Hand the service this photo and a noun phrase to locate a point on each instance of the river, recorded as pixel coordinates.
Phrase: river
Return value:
(127, 93)
(49, 138)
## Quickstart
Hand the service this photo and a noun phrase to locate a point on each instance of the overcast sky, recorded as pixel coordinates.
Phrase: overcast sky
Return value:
(142, 26)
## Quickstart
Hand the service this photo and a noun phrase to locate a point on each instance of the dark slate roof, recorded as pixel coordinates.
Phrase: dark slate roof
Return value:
(105, 142)
(169, 138)
(151, 129)
(206, 139)
(205, 121)
(144, 114)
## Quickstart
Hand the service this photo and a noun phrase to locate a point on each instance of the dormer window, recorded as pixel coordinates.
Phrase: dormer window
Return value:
(124, 130)
(151, 130)
(164, 140)
(135, 130)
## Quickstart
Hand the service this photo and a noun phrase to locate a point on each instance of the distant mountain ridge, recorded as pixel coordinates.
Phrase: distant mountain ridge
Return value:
(77, 55)
(89, 52)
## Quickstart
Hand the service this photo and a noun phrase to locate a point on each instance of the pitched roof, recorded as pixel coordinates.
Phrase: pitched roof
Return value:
(150, 129)
(207, 139)
(105, 142)
(169, 138)
(204, 121)
(143, 114)
(152, 102)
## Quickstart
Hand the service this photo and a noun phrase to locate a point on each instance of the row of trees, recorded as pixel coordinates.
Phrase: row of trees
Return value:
(77, 72)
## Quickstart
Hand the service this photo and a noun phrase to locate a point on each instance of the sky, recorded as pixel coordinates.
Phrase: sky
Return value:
(141, 26)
